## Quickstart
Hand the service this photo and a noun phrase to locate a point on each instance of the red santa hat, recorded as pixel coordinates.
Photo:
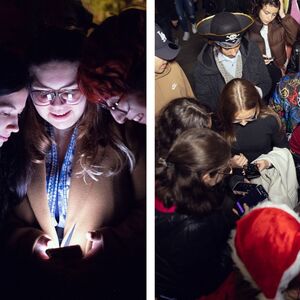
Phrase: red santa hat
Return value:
(266, 248)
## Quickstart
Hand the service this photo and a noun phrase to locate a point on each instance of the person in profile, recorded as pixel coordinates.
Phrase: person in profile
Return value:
(14, 80)
(170, 80)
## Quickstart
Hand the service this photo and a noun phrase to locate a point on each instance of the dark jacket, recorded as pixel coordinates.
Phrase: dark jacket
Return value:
(280, 34)
(209, 82)
(294, 63)
(192, 257)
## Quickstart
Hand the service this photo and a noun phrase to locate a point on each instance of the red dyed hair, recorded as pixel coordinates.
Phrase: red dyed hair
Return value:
(114, 60)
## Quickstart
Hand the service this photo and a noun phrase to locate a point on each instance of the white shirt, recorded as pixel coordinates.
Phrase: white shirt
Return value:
(228, 63)
(264, 34)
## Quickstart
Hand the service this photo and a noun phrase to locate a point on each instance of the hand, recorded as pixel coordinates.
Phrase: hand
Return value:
(281, 10)
(262, 164)
(40, 246)
(292, 294)
(267, 59)
(246, 209)
(96, 239)
(238, 161)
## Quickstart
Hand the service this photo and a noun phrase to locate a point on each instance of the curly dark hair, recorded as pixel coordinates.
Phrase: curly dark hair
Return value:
(195, 152)
(177, 116)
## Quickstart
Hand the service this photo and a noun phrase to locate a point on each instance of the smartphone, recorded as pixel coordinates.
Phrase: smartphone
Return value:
(251, 171)
(252, 198)
(244, 187)
(65, 253)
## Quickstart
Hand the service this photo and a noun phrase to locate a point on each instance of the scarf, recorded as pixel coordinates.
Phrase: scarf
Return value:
(227, 77)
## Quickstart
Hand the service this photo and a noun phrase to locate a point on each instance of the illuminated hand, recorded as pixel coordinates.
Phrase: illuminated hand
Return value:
(238, 161)
(96, 238)
(41, 244)
(263, 164)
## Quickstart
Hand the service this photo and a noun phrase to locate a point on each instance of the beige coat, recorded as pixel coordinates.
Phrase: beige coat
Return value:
(91, 206)
(171, 84)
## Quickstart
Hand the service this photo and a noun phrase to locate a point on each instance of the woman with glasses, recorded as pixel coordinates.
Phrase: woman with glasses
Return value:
(193, 216)
(113, 73)
(248, 126)
(273, 30)
(85, 188)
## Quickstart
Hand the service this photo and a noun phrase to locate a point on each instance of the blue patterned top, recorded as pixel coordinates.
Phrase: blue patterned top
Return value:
(286, 101)
(58, 181)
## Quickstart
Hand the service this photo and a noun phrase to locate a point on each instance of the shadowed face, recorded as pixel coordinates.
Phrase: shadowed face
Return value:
(268, 13)
(160, 65)
(230, 52)
(11, 106)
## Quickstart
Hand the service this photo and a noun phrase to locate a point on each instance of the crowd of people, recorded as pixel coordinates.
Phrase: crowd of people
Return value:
(73, 177)
(227, 154)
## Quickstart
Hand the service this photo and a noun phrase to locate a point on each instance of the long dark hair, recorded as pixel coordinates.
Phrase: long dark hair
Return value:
(97, 136)
(15, 172)
(14, 164)
(257, 5)
(240, 94)
(177, 116)
(195, 152)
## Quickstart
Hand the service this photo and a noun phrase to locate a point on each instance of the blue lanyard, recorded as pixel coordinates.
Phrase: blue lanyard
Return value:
(58, 181)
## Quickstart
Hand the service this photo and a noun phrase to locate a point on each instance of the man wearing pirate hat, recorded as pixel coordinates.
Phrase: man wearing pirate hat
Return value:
(228, 55)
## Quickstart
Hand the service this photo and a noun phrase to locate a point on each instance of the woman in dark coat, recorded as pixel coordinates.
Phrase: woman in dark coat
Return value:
(193, 220)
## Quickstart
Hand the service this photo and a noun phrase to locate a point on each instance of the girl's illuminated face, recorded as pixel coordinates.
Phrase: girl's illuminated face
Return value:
(58, 76)
(268, 13)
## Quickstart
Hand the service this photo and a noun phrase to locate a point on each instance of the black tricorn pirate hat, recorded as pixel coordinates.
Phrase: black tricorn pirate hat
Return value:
(224, 26)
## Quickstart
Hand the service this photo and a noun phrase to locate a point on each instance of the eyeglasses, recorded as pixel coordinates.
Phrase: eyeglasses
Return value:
(226, 171)
(43, 98)
(112, 104)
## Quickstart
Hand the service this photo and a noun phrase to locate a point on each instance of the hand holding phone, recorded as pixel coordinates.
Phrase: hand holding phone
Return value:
(69, 253)
(252, 198)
